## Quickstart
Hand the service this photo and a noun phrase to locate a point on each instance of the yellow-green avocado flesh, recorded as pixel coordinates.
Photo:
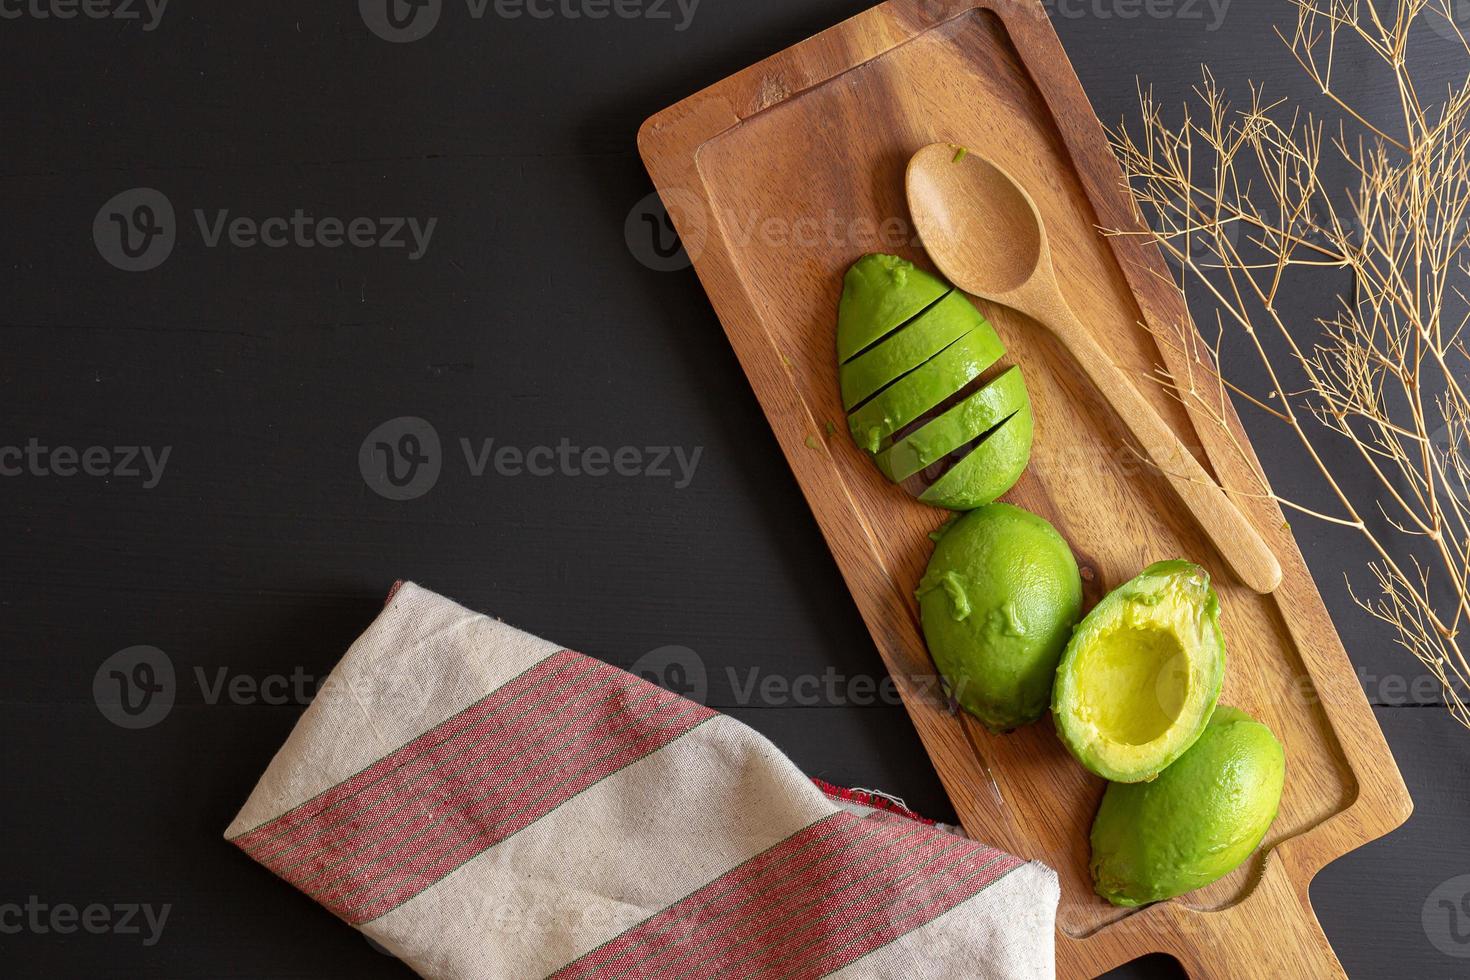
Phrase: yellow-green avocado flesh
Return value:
(1142, 673)
(1197, 822)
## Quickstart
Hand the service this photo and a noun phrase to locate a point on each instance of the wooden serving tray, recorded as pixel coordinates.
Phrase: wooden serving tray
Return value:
(777, 179)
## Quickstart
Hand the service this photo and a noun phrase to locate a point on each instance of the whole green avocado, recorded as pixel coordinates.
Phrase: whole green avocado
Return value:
(998, 602)
(1197, 822)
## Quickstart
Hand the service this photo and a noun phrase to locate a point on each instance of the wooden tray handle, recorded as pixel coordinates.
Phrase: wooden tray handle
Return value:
(1274, 934)
(1271, 934)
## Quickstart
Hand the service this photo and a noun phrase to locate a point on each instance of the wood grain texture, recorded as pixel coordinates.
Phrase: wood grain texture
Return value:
(783, 174)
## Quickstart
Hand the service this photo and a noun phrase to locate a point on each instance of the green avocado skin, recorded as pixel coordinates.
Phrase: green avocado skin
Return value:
(880, 293)
(1198, 821)
(977, 414)
(998, 602)
(903, 350)
(908, 347)
(924, 387)
(991, 468)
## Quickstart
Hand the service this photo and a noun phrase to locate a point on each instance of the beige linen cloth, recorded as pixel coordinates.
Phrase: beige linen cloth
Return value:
(484, 803)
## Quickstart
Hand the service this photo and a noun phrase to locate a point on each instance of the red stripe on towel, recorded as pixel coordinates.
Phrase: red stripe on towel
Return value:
(409, 820)
(477, 824)
(819, 900)
(357, 820)
(265, 840)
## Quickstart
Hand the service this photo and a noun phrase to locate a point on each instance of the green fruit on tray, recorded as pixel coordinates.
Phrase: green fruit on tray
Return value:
(1142, 673)
(998, 602)
(992, 468)
(879, 294)
(1197, 822)
(918, 391)
(900, 352)
(920, 373)
(1001, 413)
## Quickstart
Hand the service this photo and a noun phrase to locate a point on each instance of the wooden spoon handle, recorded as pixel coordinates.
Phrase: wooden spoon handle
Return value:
(1237, 541)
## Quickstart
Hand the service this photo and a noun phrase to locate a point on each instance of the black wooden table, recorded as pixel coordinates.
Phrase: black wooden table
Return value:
(183, 417)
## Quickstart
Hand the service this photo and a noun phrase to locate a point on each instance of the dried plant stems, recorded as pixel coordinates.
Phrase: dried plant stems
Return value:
(1240, 200)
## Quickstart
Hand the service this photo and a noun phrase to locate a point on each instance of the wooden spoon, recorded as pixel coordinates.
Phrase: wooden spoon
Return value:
(986, 235)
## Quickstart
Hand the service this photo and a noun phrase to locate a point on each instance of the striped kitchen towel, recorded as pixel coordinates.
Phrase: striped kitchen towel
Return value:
(483, 803)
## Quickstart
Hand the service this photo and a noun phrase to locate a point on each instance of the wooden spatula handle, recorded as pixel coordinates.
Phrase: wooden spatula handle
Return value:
(1237, 541)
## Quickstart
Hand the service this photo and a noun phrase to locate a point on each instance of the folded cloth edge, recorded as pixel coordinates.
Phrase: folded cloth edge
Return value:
(457, 660)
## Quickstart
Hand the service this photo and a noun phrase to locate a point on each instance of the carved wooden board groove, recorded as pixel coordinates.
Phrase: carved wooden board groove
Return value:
(782, 175)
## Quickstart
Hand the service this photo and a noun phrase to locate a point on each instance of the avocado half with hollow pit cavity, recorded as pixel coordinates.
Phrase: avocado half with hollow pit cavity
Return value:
(926, 394)
(1142, 673)
(1197, 822)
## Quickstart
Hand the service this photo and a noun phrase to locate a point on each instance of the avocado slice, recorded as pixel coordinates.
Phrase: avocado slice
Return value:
(990, 469)
(902, 351)
(1142, 673)
(924, 387)
(1197, 822)
(880, 293)
(998, 601)
(967, 421)
(912, 360)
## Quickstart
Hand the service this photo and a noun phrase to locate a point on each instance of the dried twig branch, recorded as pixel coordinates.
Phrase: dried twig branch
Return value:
(1237, 199)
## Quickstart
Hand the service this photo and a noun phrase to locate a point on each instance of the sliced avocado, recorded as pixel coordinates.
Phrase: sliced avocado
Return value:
(924, 387)
(879, 294)
(998, 601)
(909, 354)
(1197, 822)
(905, 349)
(989, 470)
(969, 420)
(1141, 675)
